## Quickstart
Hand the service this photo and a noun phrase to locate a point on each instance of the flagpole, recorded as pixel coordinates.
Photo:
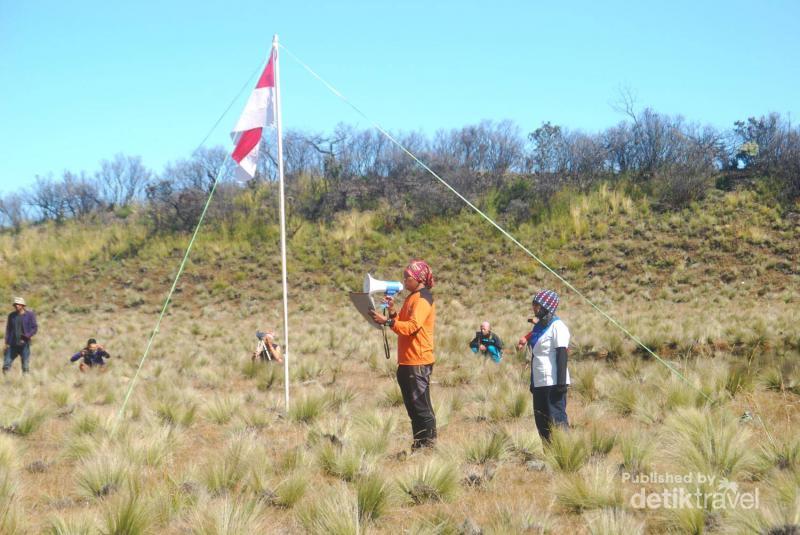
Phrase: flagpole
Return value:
(283, 223)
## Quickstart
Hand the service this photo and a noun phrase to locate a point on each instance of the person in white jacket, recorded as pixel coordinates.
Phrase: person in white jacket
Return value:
(549, 343)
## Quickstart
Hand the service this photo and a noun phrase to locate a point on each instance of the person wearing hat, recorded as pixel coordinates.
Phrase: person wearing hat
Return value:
(20, 329)
(549, 343)
(92, 355)
(267, 349)
(413, 326)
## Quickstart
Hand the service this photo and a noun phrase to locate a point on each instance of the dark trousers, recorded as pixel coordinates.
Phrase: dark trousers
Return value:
(415, 384)
(549, 409)
(14, 351)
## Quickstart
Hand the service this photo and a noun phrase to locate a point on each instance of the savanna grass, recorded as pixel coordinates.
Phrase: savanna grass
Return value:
(335, 512)
(567, 450)
(435, 481)
(710, 443)
(483, 449)
(594, 488)
(374, 496)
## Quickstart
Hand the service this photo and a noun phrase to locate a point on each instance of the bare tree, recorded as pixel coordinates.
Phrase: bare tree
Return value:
(12, 210)
(47, 197)
(122, 179)
(81, 196)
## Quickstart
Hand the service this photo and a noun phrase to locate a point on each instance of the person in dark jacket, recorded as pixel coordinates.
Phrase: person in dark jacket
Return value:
(487, 343)
(21, 327)
(92, 355)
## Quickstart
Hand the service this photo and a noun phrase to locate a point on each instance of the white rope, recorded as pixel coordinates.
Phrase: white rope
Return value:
(495, 225)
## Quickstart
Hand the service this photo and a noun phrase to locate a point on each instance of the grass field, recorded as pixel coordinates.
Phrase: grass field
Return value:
(205, 446)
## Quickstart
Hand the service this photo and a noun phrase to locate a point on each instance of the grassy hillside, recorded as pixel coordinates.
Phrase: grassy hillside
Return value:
(205, 446)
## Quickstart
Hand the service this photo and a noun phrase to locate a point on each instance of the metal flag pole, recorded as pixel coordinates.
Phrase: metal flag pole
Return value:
(283, 222)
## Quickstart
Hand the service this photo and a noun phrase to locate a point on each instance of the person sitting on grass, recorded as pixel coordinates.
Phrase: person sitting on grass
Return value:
(92, 355)
(267, 349)
(487, 343)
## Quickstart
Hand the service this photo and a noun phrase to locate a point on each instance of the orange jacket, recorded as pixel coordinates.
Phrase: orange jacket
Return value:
(414, 328)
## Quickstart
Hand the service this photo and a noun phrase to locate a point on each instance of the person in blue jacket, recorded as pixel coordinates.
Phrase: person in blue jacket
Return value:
(487, 343)
(92, 355)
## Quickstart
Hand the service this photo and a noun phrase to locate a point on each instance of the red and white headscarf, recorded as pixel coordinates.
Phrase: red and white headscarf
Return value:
(421, 271)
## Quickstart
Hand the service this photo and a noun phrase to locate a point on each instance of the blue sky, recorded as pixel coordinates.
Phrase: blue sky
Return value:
(81, 81)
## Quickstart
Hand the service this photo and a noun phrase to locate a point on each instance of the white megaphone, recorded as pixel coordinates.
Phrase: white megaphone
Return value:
(374, 286)
(363, 300)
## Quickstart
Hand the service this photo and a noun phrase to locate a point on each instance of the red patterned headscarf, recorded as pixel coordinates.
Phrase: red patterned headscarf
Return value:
(421, 271)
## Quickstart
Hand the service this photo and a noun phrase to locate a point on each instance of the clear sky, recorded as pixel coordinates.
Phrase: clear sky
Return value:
(83, 80)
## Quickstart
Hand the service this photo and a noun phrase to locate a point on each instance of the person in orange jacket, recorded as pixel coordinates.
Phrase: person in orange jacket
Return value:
(414, 326)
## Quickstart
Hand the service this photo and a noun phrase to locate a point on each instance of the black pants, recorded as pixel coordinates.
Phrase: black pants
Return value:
(549, 409)
(415, 384)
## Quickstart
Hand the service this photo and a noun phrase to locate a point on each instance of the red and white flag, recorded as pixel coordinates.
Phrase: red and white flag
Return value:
(259, 113)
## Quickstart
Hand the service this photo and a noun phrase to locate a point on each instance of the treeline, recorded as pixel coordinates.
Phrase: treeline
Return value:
(493, 164)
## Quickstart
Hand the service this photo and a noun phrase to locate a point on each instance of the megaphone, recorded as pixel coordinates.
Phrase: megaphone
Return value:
(374, 286)
(363, 300)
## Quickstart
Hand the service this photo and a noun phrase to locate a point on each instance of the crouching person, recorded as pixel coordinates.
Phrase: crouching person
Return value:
(91, 356)
(548, 340)
(487, 342)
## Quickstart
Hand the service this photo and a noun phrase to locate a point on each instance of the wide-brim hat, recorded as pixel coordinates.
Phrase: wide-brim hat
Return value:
(19, 301)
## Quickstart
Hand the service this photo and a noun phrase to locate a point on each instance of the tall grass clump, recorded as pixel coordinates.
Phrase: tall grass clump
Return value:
(566, 451)
(176, 412)
(372, 435)
(230, 515)
(601, 441)
(710, 443)
(86, 424)
(510, 404)
(623, 395)
(153, 448)
(738, 380)
(374, 495)
(339, 397)
(308, 408)
(613, 522)
(595, 489)
(266, 377)
(127, 515)
(334, 513)
(436, 481)
(103, 475)
(779, 514)
(28, 421)
(222, 473)
(289, 491)
(392, 397)
(9, 453)
(585, 381)
(221, 410)
(343, 462)
(62, 526)
(782, 453)
(520, 521)
(637, 452)
(483, 449)
(11, 519)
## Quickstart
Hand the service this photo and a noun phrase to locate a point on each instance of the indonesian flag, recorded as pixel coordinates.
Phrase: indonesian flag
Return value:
(259, 112)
